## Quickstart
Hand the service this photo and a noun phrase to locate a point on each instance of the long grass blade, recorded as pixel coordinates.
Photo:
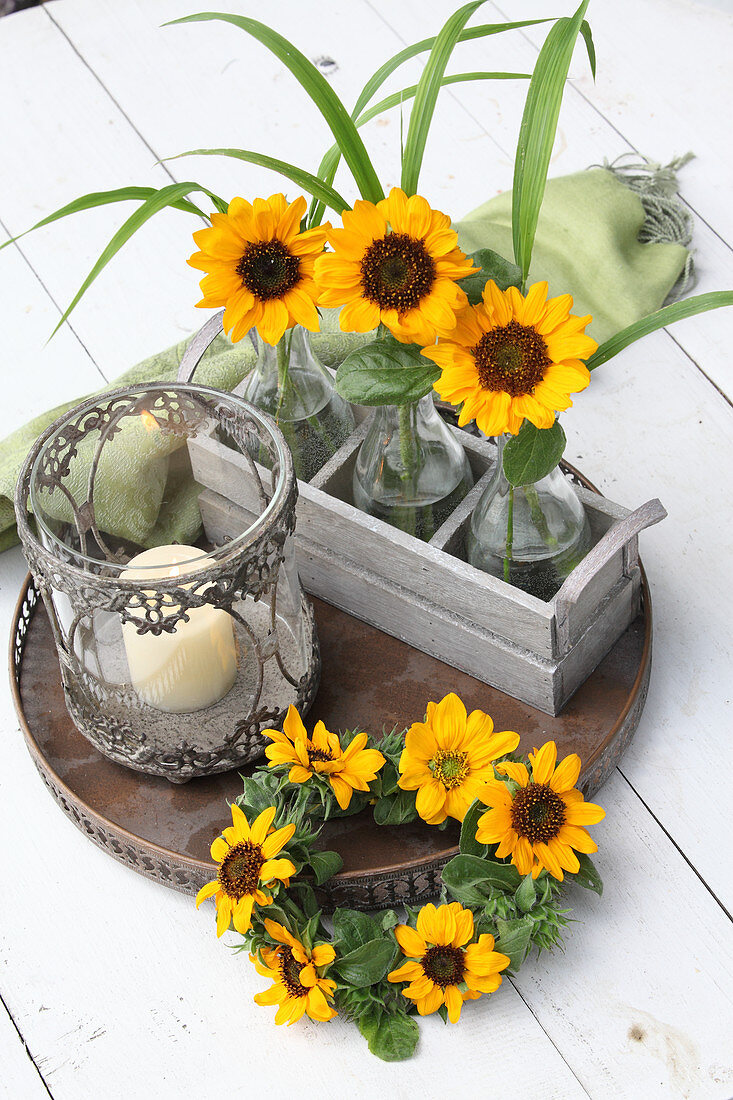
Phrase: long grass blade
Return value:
(159, 200)
(329, 164)
(103, 198)
(423, 109)
(537, 133)
(310, 183)
(667, 315)
(320, 91)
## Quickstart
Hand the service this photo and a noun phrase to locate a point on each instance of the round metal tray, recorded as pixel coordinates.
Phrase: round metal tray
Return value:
(370, 681)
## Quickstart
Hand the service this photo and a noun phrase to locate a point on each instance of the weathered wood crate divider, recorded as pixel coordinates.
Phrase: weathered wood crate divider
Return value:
(426, 594)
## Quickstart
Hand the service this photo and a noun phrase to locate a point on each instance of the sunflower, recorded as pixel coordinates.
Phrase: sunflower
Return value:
(260, 267)
(443, 970)
(297, 987)
(246, 858)
(513, 357)
(540, 822)
(321, 754)
(397, 262)
(448, 758)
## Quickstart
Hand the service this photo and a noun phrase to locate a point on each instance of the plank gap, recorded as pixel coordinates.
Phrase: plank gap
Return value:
(676, 846)
(528, 1006)
(18, 1032)
(68, 323)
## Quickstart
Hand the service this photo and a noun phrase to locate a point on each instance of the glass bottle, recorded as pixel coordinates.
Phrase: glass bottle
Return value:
(411, 471)
(294, 387)
(532, 536)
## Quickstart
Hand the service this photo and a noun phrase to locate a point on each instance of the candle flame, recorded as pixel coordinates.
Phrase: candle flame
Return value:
(151, 424)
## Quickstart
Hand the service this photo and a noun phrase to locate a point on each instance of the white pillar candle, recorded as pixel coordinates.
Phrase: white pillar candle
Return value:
(191, 667)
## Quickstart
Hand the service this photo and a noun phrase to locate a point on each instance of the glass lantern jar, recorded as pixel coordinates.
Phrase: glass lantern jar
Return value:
(176, 649)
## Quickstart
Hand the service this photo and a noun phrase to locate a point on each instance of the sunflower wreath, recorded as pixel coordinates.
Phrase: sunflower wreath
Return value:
(523, 837)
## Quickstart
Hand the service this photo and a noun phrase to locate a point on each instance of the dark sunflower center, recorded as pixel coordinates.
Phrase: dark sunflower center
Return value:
(239, 873)
(319, 755)
(537, 812)
(268, 269)
(397, 272)
(290, 970)
(450, 767)
(512, 358)
(444, 965)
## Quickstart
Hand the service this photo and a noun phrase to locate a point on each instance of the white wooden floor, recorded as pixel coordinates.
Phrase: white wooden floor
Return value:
(115, 987)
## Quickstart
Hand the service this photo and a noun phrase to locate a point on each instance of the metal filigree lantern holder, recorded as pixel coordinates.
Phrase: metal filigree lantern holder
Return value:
(175, 653)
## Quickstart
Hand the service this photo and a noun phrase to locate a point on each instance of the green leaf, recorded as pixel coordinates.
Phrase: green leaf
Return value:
(390, 920)
(320, 91)
(526, 894)
(310, 183)
(391, 1036)
(386, 373)
(667, 315)
(366, 965)
(471, 879)
(532, 453)
(493, 266)
(468, 844)
(590, 47)
(588, 876)
(537, 133)
(389, 779)
(421, 115)
(325, 865)
(515, 938)
(395, 809)
(104, 198)
(352, 929)
(157, 201)
(330, 162)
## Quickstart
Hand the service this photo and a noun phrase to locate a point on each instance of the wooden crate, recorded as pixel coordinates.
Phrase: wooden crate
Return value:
(427, 594)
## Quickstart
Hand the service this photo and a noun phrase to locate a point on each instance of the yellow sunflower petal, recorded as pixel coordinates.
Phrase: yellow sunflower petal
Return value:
(276, 868)
(411, 941)
(242, 915)
(408, 972)
(342, 790)
(516, 771)
(583, 813)
(543, 762)
(453, 1002)
(207, 891)
(566, 773)
(261, 825)
(430, 1003)
(430, 802)
(223, 914)
(277, 840)
(322, 954)
(219, 849)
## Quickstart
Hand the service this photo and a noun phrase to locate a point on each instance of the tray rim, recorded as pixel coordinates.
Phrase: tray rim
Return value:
(204, 870)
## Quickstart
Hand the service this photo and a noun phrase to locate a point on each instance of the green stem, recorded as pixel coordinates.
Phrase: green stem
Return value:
(509, 533)
(538, 516)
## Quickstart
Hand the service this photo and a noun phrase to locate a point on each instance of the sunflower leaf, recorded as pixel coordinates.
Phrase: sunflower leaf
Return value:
(537, 132)
(526, 894)
(325, 865)
(426, 96)
(667, 315)
(386, 372)
(471, 879)
(391, 1036)
(368, 964)
(515, 939)
(310, 183)
(532, 453)
(492, 266)
(352, 929)
(317, 87)
(395, 809)
(468, 844)
(588, 876)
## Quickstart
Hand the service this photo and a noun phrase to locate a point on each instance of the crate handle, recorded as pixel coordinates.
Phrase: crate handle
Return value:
(200, 342)
(614, 539)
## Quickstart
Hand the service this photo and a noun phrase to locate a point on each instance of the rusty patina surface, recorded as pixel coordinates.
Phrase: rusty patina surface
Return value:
(370, 681)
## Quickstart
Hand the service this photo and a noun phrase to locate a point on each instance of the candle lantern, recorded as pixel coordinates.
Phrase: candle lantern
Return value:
(175, 652)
